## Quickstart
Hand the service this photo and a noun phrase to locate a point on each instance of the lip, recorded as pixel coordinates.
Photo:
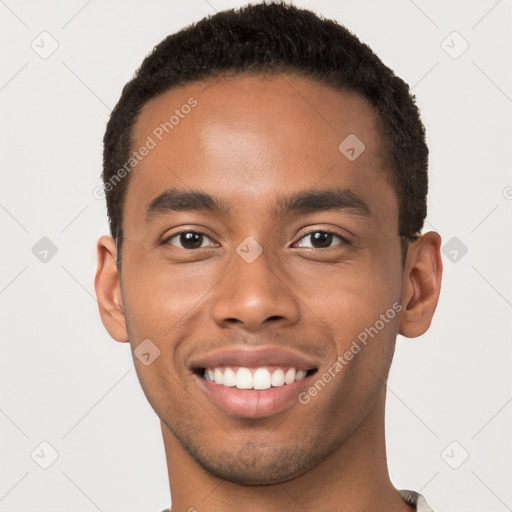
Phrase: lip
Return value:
(252, 403)
(252, 357)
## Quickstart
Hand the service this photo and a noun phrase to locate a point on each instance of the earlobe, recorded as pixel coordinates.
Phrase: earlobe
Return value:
(422, 285)
(108, 290)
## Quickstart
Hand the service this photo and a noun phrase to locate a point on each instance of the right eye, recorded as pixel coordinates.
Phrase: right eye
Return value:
(189, 240)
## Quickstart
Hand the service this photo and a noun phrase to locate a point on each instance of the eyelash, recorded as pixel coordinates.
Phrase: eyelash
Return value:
(343, 239)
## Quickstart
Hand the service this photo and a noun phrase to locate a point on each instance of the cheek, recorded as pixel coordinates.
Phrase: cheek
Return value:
(359, 305)
(160, 296)
(348, 296)
(367, 327)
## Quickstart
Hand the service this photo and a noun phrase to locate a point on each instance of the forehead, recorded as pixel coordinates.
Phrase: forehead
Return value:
(251, 138)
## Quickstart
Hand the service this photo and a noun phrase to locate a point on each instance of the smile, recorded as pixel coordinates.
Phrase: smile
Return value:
(254, 378)
(253, 393)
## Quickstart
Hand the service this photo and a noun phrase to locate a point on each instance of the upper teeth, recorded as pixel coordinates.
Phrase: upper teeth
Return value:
(253, 378)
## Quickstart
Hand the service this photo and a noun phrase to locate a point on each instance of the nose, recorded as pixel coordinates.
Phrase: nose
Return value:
(252, 295)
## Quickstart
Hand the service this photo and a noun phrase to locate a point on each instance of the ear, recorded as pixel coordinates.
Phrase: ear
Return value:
(421, 285)
(108, 290)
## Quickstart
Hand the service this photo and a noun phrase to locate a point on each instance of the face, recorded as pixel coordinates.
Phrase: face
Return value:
(284, 257)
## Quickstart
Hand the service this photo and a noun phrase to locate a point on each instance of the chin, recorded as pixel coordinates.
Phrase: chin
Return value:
(252, 466)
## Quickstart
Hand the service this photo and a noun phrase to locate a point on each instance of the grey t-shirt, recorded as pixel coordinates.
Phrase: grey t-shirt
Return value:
(410, 497)
(414, 498)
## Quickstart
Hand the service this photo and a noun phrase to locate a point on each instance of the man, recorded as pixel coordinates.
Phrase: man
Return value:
(266, 182)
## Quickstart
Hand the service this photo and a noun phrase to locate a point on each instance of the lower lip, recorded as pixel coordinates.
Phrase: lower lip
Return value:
(252, 403)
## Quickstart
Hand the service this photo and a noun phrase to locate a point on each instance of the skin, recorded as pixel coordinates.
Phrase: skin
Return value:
(248, 140)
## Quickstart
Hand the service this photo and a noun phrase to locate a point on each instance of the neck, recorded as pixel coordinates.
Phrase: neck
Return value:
(352, 478)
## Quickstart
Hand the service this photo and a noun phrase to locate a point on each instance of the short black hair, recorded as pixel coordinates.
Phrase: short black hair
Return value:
(277, 38)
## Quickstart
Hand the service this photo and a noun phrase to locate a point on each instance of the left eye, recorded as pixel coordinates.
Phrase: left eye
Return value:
(322, 239)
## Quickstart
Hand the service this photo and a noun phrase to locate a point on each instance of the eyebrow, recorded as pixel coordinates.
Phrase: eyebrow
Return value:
(307, 201)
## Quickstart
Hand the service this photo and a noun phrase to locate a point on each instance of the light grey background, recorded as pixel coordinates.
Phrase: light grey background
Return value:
(65, 382)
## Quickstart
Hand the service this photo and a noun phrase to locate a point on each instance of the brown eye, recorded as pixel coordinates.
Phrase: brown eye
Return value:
(322, 239)
(189, 240)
